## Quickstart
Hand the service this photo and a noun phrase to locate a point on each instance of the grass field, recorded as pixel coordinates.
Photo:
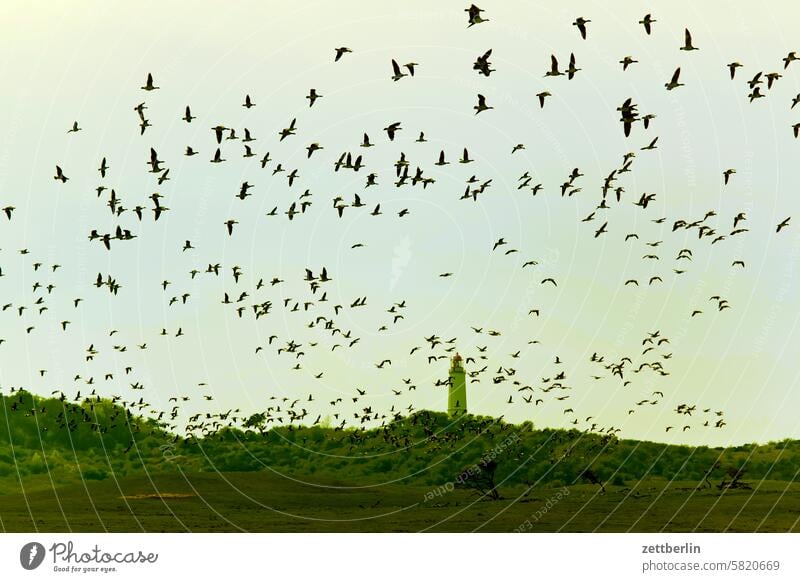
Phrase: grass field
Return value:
(265, 502)
(95, 466)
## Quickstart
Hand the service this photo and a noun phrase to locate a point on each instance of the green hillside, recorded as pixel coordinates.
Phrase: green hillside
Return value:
(48, 441)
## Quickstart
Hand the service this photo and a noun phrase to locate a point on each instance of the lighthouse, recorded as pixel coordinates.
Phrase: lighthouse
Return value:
(457, 388)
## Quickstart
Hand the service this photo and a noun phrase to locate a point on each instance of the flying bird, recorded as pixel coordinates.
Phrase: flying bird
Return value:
(571, 70)
(390, 130)
(581, 22)
(482, 64)
(647, 22)
(727, 174)
(397, 73)
(148, 86)
(541, 97)
(732, 68)
(475, 15)
(674, 82)
(626, 62)
(601, 230)
(312, 97)
(553, 72)
(481, 106)
(687, 41)
(217, 159)
(341, 51)
(60, 175)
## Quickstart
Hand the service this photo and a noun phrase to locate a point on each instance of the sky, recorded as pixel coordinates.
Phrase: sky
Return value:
(86, 61)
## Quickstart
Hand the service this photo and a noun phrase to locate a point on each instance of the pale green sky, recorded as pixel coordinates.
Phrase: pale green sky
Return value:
(85, 61)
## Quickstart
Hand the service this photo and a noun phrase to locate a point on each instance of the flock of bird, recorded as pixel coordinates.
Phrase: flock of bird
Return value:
(320, 309)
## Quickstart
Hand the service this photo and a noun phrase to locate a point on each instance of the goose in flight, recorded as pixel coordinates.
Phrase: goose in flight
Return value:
(541, 97)
(571, 70)
(756, 94)
(390, 130)
(727, 174)
(651, 146)
(482, 64)
(287, 131)
(771, 78)
(397, 73)
(312, 148)
(312, 97)
(60, 175)
(674, 82)
(647, 22)
(148, 86)
(481, 106)
(217, 159)
(475, 15)
(340, 52)
(601, 230)
(553, 72)
(732, 68)
(687, 41)
(581, 22)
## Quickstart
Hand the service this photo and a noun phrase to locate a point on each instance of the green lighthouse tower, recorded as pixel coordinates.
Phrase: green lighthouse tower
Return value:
(457, 390)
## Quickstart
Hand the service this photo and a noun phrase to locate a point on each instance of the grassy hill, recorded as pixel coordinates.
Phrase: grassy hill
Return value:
(98, 439)
(51, 450)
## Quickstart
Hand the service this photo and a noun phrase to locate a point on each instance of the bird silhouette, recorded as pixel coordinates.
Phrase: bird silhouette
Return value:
(481, 106)
(312, 97)
(581, 22)
(340, 52)
(647, 22)
(674, 82)
(148, 86)
(397, 74)
(687, 41)
(474, 15)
